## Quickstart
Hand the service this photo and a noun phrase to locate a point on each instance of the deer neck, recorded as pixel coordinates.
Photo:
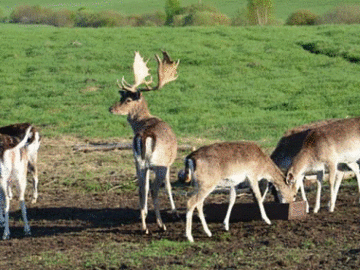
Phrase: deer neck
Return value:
(278, 178)
(138, 116)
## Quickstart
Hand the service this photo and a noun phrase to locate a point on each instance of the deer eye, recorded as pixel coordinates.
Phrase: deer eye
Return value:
(128, 100)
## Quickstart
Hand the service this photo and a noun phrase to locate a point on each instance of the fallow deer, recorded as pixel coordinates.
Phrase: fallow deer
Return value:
(18, 130)
(228, 164)
(154, 143)
(13, 168)
(327, 146)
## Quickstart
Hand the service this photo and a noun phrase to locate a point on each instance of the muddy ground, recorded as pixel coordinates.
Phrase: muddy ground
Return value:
(72, 222)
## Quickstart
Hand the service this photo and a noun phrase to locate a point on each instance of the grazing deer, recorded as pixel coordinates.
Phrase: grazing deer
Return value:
(154, 143)
(228, 164)
(18, 131)
(13, 167)
(327, 146)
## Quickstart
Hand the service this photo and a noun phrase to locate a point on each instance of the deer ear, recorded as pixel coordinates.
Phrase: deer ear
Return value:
(290, 180)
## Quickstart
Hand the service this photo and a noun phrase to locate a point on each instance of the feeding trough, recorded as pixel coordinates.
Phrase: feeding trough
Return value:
(216, 212)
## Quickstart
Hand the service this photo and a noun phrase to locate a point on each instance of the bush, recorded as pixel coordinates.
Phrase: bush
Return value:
(302, 17)
(206, 18)
(109, 18)
(200, 15)
(32, 15)
(241, 18)
(156, 18)
(347, 14)
(199, 8)
(85, 18)
(64, 18)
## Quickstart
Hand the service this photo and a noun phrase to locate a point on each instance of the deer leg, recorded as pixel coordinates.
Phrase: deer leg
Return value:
(193, 202)
(333, 172)
(159, 178)
(354, 166)
(144, 185)
(34, 172)
(168, 189)
(255, 188)
(21, 184)
(231, 204)
(200, 208)
(319, 177)
(6, 200)
(2, 201)
(300, 184)
(10, 194)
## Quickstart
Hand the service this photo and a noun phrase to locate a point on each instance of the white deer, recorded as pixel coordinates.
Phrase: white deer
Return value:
(228, 164)
(154, 143)
(18, 130)
(13, 168)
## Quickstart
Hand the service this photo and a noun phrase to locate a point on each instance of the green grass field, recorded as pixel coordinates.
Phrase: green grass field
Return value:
(283, 8)
(234, 83)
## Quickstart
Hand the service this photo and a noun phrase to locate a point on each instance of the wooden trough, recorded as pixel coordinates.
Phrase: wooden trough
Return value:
(216, 212)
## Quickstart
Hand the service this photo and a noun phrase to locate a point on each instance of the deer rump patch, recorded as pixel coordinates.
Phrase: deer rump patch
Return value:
(144, 145)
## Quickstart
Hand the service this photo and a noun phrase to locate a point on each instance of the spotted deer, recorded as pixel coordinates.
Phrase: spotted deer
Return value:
(18, 130)
(13, 169)
(154, 143)
(228, 164)
(327, 146)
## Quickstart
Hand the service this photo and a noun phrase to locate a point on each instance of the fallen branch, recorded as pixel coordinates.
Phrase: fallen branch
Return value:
(121, 146)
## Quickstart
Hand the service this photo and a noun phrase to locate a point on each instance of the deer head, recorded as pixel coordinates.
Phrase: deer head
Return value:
(131, 96)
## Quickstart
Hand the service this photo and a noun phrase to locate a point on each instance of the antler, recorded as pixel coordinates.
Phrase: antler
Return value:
(141, 71)
(166, 70)
(166, 73)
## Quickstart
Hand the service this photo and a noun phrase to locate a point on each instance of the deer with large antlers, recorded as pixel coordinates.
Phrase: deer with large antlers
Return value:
(154, 143)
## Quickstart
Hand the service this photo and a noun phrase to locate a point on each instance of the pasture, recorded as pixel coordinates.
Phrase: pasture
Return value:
(234, 83)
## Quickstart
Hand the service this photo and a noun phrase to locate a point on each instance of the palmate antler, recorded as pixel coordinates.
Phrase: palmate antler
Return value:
(166, 73)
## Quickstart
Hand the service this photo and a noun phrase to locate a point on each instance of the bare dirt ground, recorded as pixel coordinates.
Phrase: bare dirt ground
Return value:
(67, 220)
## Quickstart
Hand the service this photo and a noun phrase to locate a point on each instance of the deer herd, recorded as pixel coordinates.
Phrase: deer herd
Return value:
(332, 145)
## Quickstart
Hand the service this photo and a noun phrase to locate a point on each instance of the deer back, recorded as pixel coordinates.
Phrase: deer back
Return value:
(164, 144)
(225, 159)
(292, 142)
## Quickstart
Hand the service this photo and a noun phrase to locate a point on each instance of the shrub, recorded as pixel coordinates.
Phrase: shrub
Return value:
(199, 8)
(84, 18)
(206, 18)
(107, 18)
(302, 17)
(241, 18)
(347, 14)
(32, 15)
(200, 15)
(156, 18)
(64, 18)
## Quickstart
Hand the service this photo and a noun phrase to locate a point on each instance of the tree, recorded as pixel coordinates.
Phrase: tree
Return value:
(172, 8)
(260, 11)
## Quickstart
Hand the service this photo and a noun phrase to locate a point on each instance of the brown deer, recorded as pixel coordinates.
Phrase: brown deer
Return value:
(327, 146)
(228, 164)
(154, 143)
